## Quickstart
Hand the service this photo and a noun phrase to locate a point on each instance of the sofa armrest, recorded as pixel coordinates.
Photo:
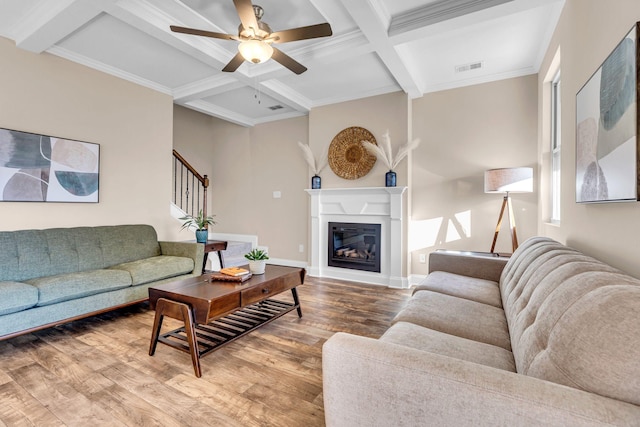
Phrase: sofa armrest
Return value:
(467, 264)
(191, 250)
(367, 382)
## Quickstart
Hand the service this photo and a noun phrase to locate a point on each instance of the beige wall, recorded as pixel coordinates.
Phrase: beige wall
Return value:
(465, 132)
(246, 166)
(377, 114)
(587, 32)
(133, 125)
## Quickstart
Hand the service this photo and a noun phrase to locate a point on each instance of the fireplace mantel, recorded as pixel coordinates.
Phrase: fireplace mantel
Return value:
(381, 205)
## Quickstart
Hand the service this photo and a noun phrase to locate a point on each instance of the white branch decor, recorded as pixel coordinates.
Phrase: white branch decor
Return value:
(385, 153)
(316, 167)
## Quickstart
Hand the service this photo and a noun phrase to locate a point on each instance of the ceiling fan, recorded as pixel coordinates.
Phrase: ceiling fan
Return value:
(256, 38)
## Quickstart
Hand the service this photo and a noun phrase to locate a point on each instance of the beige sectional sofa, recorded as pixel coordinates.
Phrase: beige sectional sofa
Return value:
(550, 338)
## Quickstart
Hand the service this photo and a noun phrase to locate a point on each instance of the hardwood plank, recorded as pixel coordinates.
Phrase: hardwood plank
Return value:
(97, 371)
(130, 409)
(19, 408)
(67, 404)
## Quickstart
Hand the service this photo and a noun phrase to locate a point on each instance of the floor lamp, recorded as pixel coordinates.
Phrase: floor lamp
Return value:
(508, 180)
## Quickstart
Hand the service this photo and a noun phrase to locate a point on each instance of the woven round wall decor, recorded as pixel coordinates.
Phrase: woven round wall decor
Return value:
(347, 157)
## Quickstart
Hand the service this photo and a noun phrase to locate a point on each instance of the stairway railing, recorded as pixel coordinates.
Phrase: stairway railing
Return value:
(189, 187)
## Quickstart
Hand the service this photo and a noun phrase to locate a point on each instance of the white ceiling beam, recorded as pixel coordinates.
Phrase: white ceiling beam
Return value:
(417, 24)
(214, 85)
(438, 11)
(373, 20)
(283, 93)
(283, 116)
(221, 113)
(52, 21)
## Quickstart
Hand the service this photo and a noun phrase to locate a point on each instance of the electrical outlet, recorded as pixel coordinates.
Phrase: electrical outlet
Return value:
(423, 258)
(301, 248)
(277, 194)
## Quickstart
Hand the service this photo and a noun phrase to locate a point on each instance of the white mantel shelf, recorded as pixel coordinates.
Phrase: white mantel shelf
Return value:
(377, 205)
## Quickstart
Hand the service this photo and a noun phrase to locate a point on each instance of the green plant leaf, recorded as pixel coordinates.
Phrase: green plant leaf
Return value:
(256, 255)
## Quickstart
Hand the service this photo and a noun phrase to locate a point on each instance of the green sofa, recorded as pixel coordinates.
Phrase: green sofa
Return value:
(52, 276)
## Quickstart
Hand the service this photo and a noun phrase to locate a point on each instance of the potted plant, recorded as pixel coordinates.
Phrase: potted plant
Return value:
(201, 223)
(257, 260)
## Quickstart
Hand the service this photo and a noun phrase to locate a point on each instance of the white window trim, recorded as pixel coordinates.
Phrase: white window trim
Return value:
(555, 150)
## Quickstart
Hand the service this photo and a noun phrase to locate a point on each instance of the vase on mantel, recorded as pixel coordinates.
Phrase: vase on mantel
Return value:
(390, 179)
(316, 182)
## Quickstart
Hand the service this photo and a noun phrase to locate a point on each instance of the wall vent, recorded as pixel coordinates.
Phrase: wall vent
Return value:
(469, 67)
(275, 107)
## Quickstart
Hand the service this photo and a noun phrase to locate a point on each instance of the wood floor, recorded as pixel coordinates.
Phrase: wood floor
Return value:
(97, 372)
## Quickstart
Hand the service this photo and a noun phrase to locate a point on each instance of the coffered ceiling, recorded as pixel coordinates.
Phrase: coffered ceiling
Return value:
(377, 47)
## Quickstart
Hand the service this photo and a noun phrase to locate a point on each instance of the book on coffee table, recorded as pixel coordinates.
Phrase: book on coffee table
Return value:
(216, 275)
(234, 271)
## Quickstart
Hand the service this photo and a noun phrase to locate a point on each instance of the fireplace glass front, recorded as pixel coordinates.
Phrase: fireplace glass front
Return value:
(354, 245)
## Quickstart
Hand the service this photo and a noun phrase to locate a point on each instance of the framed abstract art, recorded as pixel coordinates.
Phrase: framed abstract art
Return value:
(607, 128)
(40, 168)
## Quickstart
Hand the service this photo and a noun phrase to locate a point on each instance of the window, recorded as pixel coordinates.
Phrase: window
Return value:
(555, 149)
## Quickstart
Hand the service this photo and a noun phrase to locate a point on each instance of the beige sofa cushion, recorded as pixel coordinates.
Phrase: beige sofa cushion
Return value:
(573, 320)
(594, 338)
(471, 288)
(425, 339)
(457, 316)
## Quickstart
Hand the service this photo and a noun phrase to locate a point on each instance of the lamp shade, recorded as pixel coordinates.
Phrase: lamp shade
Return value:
(508, 180)
(255, 51)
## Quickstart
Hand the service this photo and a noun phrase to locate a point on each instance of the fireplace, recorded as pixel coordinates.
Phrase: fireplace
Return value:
(374, 205)
(354, 245)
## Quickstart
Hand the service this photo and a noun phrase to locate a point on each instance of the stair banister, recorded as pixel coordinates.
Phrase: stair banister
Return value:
(184, 177)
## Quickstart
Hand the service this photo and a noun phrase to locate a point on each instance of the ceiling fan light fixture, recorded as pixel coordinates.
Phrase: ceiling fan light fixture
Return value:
(255, 51)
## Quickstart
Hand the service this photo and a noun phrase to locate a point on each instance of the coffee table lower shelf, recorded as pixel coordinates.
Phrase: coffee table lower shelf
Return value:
(213, 335)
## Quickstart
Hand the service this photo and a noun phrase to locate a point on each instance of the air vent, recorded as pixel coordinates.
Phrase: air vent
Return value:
(469, 67)
(275, 107)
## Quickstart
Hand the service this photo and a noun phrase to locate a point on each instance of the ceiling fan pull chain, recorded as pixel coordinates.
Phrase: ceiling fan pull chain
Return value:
(256, 93)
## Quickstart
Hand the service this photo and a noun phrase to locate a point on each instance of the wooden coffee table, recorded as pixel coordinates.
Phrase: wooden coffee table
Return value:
(216, 313)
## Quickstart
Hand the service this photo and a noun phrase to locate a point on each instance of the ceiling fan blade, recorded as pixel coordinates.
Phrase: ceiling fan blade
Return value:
(246, 14)
(288, 61)
(204, 33)
(302, 33)
(234, 63)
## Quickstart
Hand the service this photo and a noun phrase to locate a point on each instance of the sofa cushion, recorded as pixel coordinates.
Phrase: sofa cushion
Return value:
(17, 296)
(479, 290)
(156, 268)
(528, 328)
(425, 339)
(29, 254)
(589, 337)
(457, 316)
(63, 287)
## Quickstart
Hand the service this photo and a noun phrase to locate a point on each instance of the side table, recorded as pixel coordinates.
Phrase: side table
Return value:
(214, 246)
